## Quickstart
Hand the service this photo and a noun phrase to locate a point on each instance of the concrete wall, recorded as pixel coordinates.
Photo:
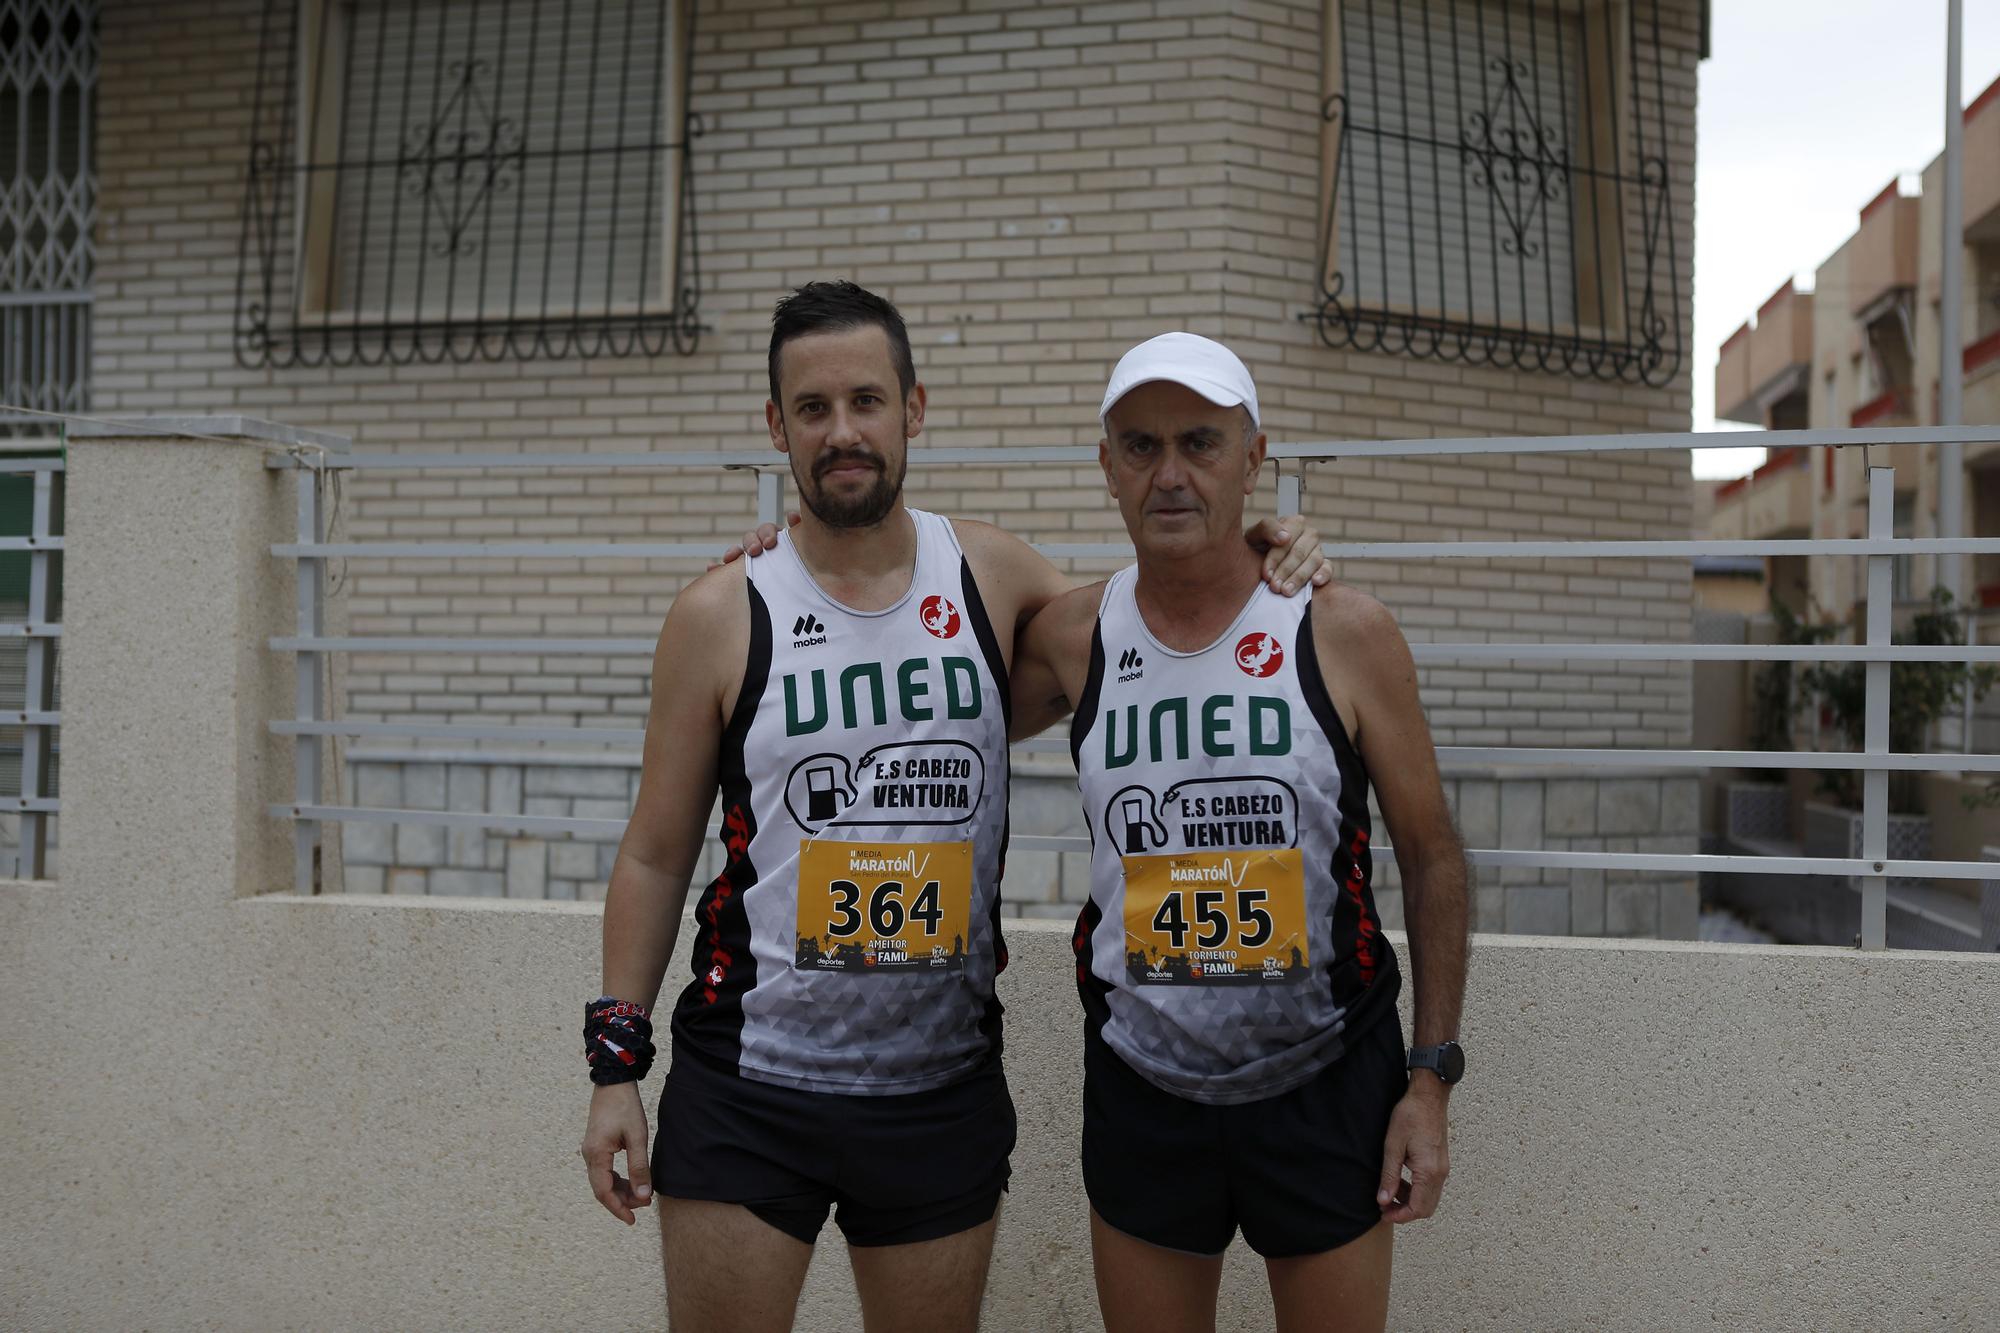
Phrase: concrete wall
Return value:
(229, 1107)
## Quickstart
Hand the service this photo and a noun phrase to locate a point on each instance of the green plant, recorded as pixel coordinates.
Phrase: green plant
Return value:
(1774, 696)
(1919, 694)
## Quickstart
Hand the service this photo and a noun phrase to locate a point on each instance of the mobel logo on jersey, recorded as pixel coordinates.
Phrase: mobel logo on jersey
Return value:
(922, 685)
(1227, 725)
(808, 632)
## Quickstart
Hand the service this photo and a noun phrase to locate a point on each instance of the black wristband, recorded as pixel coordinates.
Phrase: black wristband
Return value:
(617, 1041)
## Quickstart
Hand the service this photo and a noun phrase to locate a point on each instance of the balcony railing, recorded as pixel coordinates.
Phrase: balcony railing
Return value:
(310, 725)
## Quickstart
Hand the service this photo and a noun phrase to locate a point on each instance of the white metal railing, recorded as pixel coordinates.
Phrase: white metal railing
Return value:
(1879, 549)
(37, 717)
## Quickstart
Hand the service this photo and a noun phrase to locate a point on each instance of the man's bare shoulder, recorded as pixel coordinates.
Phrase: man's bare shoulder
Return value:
(714, 603)
(1345, 615)
(993, 547)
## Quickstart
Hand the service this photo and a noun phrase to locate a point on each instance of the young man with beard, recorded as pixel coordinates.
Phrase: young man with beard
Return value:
(1244, 1062)
(838, 1045)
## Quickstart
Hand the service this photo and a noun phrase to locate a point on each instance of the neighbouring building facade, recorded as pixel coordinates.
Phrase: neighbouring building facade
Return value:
(526, 225)
(1863, 348)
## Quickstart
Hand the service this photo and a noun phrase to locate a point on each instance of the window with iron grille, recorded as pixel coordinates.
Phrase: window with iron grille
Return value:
(1495, 186)
(450, 179)
(48, 207)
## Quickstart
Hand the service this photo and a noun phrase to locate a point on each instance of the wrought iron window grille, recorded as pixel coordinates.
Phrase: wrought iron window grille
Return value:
(48, 207)
(435, 180)
(1496, 185)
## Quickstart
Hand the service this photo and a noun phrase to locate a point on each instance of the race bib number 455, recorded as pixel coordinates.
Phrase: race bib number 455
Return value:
(1215, 918)
(883, 907)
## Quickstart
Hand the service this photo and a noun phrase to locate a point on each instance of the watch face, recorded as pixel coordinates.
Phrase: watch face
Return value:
(1451, 1062)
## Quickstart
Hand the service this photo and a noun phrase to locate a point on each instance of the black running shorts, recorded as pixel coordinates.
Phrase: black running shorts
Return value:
(1297, 1172)
(894, 1170)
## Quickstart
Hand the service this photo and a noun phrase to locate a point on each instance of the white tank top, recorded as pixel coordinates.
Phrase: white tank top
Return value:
(1230, 947)
(851, 941)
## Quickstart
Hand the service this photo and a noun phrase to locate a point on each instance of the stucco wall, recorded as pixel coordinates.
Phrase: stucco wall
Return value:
(283, 1113)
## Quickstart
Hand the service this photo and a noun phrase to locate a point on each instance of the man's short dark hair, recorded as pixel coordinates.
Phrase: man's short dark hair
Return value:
(835, 307)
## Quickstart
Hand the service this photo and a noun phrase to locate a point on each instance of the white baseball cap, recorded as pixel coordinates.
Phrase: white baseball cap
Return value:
(1189, 360)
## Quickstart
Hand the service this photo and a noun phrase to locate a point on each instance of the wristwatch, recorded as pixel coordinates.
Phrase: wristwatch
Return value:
(1446, 1060)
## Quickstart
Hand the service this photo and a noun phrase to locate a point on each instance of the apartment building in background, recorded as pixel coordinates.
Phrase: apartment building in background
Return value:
(1863, 348)
(531, 226)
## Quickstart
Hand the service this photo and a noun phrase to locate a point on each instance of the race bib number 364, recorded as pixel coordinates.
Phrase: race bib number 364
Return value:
(1215, 918)
(883, 907)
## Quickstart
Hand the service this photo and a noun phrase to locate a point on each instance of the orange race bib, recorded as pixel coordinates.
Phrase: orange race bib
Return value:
(1215, 918)
(883, 907)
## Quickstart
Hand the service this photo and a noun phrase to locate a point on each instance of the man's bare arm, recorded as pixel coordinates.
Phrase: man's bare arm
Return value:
(1395, 743)
(708, 626)
(1052, 661)
(1375, 687)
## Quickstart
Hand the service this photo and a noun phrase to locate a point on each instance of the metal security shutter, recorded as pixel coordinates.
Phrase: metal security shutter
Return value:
(494, 149)
(1465, 232)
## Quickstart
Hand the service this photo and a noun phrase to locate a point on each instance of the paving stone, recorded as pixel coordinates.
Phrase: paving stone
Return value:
(378, 785)
(1045, 806)
(466, 847)
(368, 844)
(465, 787)
(1586, 902)
(419, 844)
(1478, 812)
(575, 780)
(363, 879)
(572, 860)
(591, 891)
(527, 868)
(423, 786)
(1537, 910)
(1632, 910)
(503, 789)
(408, 881)
(1572, 807)
(466, 883)
(1032, 877)
(582, 808)
(1489, 905)
(607, 857)
(1628, 805)
(1520, 826)
(1389, 906)
(1075, 876)
(546, 805)
(562, 890)
(1680, 805)
(1680, 910)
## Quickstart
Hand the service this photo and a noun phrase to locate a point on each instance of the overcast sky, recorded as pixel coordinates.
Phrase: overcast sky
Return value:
(1808, 108)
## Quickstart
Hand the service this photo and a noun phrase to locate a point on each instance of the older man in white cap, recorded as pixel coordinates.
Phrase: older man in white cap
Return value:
(1244, 1062)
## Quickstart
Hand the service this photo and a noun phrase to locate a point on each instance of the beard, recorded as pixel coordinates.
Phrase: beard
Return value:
(862, 510)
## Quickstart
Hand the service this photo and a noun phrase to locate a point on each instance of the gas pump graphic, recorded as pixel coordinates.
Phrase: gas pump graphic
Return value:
(1132, 820)
(821, 804)
(820, 791)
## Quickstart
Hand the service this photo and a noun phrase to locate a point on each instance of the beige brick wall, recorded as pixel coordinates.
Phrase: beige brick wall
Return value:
(1038, 186)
